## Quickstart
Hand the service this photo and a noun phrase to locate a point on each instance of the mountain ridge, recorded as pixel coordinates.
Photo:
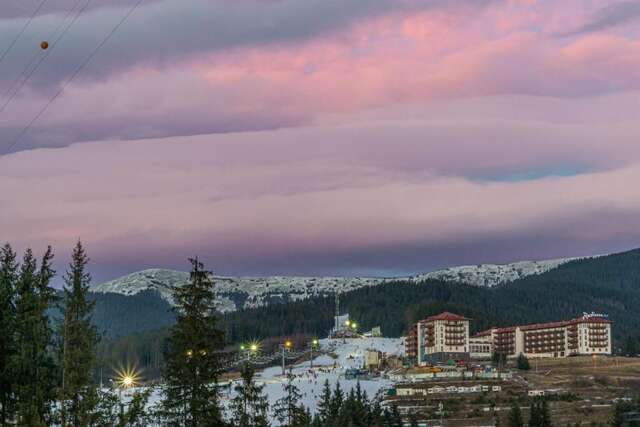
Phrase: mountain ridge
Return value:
(249, 292)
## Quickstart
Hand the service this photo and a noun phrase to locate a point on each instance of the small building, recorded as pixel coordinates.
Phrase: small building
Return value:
(372, 359)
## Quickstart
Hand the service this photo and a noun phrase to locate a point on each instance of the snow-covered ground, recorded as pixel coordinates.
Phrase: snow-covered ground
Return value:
(246, 292)
(311, 381)
(350, 354)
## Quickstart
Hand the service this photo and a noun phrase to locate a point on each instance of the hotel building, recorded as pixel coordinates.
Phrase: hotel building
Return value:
(439, 338)
(445, 336)
(586, 335)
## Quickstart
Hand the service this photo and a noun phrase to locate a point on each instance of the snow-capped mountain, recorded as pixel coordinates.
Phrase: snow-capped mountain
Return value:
(492, 274)
(245, 292)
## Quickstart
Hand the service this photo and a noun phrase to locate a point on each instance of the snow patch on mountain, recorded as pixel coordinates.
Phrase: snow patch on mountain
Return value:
(246, 292)
(490, 275)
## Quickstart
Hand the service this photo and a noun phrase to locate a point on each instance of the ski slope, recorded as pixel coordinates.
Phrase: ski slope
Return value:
(349, 354)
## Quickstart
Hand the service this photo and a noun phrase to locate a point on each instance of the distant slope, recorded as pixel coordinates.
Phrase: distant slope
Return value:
(608, 284)
(248, 292)
(491, 275)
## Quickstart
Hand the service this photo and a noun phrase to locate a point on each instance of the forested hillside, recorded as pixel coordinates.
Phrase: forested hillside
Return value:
(119, 315)
(609, 284)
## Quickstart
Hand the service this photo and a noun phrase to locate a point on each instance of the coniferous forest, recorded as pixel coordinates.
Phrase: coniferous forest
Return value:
(49, 362)
(54, 346)
(608, 284)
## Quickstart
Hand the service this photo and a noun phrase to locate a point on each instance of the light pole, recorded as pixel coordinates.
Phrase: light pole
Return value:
(286, 346)
(314, 344)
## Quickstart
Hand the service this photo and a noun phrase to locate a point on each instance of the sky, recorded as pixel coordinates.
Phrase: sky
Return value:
(320, 137)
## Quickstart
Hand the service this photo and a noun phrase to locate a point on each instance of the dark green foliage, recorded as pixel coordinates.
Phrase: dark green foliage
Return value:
(143, 350)
(110, 412)
(250, 406)
(621, 411)
(515, 416)
(539, 415)
(354, 410)
(396, 419)
(8, 282)
(325, 412)
(192, 360)
(606, 284)
(288, 410)
(118, 315)
(77, 347)
(523, 363)
(32, 363)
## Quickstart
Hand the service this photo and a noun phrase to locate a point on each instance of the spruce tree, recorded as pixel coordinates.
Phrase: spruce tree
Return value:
(77, 347)
(288, 410)
(396, 419)
(523, 363)
(515, 416)
(535, 417)
(192, 355)
(32, 362)
(545, 414)
(324, 406)
(250, 406)
(8, 283)
(336, 403)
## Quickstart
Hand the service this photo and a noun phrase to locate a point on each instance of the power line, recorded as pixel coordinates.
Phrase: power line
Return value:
(22, 30)
(22, 79)
(75, 74)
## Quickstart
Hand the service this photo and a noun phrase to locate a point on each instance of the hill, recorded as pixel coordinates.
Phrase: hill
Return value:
(249, 292)
(609, 284)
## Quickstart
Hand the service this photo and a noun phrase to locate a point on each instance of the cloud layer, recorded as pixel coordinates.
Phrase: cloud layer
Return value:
(355, 137)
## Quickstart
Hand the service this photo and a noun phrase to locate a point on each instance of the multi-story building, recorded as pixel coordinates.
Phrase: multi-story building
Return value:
(443, 337)
(586, 335)
(439, 338)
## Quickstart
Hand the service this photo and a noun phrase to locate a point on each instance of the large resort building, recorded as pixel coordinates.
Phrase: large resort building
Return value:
(445, 336)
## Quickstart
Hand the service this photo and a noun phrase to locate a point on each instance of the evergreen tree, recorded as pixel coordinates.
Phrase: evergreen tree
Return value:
(515, 416)
(77, 349)
(192, 355)
(523, 363)
(8, 279)
(535, 417)
(250, 406)
(33, 364)
(324, 414)
(336, 403)
(288, 410)
(545, 414)
(396, 419)
(618, 413)
(375, 416)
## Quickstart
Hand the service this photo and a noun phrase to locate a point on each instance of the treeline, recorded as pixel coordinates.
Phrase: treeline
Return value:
(609, 284)
(47, 364)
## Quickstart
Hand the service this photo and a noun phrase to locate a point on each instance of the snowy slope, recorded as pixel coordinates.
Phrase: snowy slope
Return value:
(310, 381)
(493, 274)
(245, 292)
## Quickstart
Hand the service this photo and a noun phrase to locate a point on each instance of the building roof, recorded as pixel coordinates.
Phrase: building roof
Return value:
(550, 325)
(445, 315)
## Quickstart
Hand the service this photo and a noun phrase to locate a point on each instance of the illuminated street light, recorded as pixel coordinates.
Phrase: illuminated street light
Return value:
(288, 344)
(354, 325)
(127, 378)
(254, 347)
(242, 347)
(189, 353)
